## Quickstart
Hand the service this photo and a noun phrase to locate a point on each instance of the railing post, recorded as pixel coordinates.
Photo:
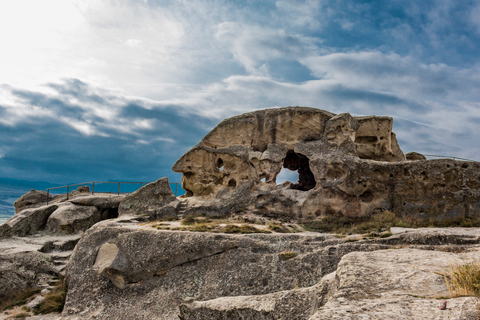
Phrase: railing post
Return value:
(93, 187)
(119, 188)
(68, 191)
(48, 193)
(176, 189)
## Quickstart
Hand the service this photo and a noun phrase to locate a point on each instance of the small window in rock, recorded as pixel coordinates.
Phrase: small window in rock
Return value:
(263, 179)
(220, 163)
(299, 168)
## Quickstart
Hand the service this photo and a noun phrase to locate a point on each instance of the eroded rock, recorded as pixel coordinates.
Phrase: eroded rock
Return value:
(70, 218)
(31, 199)
(155, 199)
(28, 221)
(347, 166)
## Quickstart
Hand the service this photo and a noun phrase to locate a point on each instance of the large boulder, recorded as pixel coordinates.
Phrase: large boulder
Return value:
(152, 272)
(32, 199)
(347, 166)
(155, 199)
(384, 284)
(28, 221)
(70, 218)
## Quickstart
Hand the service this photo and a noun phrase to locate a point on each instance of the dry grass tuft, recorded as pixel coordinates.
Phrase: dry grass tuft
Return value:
(463, 279)
(54, 301)
(287, 255)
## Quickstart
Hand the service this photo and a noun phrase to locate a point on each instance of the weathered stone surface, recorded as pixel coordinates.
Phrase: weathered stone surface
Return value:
(28, 221)
(126, 270)
(412, 156)
(31, 199)
(101, 201)
(20, 270)
(83, 189)
(347, 166)
(384, 284)
(157, 270)
(155, 199)
(70, 218)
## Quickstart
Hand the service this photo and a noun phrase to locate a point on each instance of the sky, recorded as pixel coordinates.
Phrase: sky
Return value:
(119, 90)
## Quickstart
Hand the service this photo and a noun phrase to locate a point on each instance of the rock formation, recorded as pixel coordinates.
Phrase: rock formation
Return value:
(124, 270)
(62, 216)
(347, 166)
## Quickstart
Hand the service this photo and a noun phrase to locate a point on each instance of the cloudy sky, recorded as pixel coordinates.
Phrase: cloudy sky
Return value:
(118, 90)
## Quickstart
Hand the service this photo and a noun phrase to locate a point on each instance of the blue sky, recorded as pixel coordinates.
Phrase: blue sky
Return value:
(118, 90)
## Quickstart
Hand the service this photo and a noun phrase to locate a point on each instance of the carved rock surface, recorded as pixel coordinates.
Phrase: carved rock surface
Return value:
(254, 146)
(347, 166)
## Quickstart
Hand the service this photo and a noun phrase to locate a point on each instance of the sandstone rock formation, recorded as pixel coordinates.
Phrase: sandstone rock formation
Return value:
(155, 199)
(125, 270)
(60, 216)
(31, 199)
(347, 166)
(413, 156)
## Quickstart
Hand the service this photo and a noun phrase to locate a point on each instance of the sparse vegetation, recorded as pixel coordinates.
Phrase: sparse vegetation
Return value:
(54, 301)
(20, 299)
(382, 222)
(463, 279)
(232, 228)
(287, 255)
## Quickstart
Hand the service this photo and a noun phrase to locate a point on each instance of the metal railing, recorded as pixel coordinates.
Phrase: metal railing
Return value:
(448, 157)
(93, 183)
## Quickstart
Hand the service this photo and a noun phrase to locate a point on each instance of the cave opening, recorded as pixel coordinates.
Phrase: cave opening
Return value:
(299, 163)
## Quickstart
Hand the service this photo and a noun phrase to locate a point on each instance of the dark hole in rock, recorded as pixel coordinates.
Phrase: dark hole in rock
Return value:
(367, 196)
(109, 213)
(220, 163)
(465, 166)
(298, 162)
(232, 183)
(366, 139)
(188, 193)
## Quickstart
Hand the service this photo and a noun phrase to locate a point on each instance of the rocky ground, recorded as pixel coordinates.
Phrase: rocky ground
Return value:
(138, 267)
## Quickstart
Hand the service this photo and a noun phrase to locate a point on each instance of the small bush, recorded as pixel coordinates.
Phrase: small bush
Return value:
(463, 279)
(287, 255)
(22, 315)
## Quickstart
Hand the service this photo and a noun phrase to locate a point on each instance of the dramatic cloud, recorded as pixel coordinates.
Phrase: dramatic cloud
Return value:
(120, 89)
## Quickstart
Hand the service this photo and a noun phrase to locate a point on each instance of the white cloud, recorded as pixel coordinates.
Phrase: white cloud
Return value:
(252, 46)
